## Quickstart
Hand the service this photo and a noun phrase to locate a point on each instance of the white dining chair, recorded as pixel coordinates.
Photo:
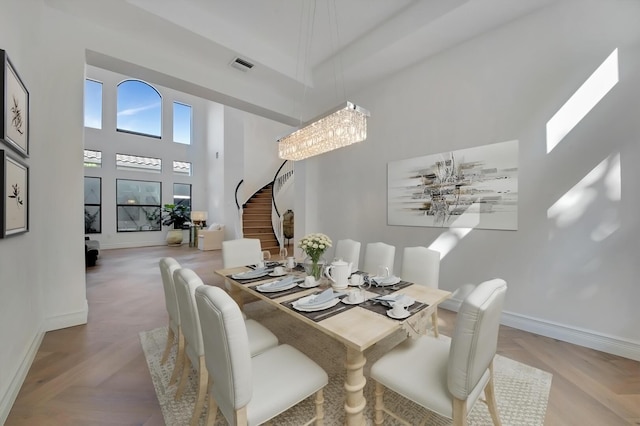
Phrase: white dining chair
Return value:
(421, 265)
(260, 338)
(251, 390)
(447, 376)
(349, 251)
(241, 252)
(174, 330)
(378, 255)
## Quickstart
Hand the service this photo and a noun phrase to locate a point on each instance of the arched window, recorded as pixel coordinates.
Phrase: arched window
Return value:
(139, 109)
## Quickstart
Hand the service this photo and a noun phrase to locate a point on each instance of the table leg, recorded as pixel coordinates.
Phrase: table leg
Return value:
(354, 387)
(236, 294)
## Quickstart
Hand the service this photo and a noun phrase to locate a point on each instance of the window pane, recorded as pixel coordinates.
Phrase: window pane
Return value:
(182, 168)
(93, 104)
(181, 123)
(138, 205)
(92, 220)
(92, 205)
(138, 164)
(139, 108)
(92, 193)
(182, 194)
(92, 158)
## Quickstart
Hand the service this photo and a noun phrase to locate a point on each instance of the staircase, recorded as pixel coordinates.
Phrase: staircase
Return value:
(256, 220)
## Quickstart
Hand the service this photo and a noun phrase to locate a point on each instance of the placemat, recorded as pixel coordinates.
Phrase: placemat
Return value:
(379, 308)
(384, 290)
(323, 314)
(249, 280)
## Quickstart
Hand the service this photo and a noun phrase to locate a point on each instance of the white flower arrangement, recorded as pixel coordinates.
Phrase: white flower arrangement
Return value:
(314, 245)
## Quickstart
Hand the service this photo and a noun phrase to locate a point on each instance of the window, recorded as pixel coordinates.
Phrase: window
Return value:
(92, 205)
(92, 158)
(139, 109)
(138, 164)
(182, 168)
(92, 104)
(182, 194)
(138, 205)
(181, 123)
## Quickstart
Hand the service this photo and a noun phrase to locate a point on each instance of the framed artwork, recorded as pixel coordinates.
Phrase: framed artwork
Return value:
(469, 188)
(14, 196)
(14, 123)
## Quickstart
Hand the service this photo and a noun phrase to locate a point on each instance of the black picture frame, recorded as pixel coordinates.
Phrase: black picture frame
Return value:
(14, 195)
(14, 121)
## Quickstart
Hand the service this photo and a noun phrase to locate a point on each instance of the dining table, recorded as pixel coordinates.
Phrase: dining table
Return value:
(356, 326)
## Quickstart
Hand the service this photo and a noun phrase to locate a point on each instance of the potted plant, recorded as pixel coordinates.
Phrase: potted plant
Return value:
(176, 215)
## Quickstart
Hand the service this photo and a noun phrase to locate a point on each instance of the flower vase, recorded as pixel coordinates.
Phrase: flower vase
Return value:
(314, 268)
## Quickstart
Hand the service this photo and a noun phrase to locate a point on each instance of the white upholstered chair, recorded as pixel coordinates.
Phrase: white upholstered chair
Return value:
(251, 390)
(421, 265)
(174, 335)
(260, 338)
(447, 376)
(377, 255)
(349, 251)
(211, 238)
(240, 252)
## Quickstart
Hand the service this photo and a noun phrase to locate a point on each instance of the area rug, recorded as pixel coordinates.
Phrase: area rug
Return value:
(521, 391)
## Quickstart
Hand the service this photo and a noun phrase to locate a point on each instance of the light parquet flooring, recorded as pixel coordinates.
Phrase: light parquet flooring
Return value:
(96, 374)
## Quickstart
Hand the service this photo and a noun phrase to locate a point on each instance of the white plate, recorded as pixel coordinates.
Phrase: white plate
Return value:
(390, 313)
(248, 275)
(346, 301)
(322, 307)
(273, 274)
(387, 281)
(265, 288)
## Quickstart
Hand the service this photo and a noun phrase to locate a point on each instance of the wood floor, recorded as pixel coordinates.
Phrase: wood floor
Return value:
(96, 374)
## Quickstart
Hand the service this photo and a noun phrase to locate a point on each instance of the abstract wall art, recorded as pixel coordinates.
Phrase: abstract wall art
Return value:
(468, 188)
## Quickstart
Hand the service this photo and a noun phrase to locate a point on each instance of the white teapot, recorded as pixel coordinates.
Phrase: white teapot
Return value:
(338, 272)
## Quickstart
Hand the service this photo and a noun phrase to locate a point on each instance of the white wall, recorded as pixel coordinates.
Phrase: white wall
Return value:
(501, 86)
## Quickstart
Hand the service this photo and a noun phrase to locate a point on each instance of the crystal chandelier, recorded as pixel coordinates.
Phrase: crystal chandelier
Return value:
(342, 126)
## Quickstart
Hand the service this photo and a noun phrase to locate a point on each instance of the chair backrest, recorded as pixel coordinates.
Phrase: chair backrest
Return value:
(349, 251)
(226, 349)
(378, 254)
(186, 282)
(241, 252)
(421, 265)
(167, 266)
(475, 337)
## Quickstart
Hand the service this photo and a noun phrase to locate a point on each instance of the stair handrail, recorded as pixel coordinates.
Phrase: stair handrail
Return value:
(239, 229)
(281, 177)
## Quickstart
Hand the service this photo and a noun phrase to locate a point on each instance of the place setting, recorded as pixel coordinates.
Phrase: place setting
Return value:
(320, 305)
(398, 306)
(278, 288)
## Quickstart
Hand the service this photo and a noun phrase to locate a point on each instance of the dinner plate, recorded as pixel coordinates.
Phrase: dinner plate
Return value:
(250, 275)
(386, 281)
(322, 307)
(265, 288)
(273, 274)
(403, 316)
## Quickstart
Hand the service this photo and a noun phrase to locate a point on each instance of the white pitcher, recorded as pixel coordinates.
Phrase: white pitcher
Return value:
(338, 272)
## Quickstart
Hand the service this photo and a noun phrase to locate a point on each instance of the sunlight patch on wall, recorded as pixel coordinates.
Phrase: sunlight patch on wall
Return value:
(602, 185)
(448, 240)
(583, 100)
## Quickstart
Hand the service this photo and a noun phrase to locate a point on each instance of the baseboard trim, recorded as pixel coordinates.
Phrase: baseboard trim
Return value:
(70, 319)
(18, 378)
(577, 336)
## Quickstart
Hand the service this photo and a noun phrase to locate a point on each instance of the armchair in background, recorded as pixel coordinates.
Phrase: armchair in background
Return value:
(211, 238)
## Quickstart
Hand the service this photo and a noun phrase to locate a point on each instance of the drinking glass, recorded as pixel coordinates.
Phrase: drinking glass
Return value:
(283, 254)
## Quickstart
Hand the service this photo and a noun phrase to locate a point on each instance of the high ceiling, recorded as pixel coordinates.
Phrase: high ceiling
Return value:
(318, 51)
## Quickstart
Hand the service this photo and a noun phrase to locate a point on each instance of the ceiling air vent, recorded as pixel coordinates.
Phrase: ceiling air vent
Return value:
(241, 64)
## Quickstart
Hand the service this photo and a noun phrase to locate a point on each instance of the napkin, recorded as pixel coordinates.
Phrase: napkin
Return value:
(318, 299)
(277, 284)
(251, 274)
(386, 280)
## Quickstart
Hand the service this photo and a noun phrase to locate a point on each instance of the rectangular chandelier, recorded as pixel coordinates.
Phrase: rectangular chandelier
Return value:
(342, 126)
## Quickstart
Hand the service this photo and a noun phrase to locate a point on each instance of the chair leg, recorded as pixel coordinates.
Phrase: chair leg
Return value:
(212, 406)
(167, 348)
(319, 408)
(180, 357)
(459, 412)
(201, 393)
(489, 393)
(240, 417)
(434, 321)
(379, 407)
(186, 367)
